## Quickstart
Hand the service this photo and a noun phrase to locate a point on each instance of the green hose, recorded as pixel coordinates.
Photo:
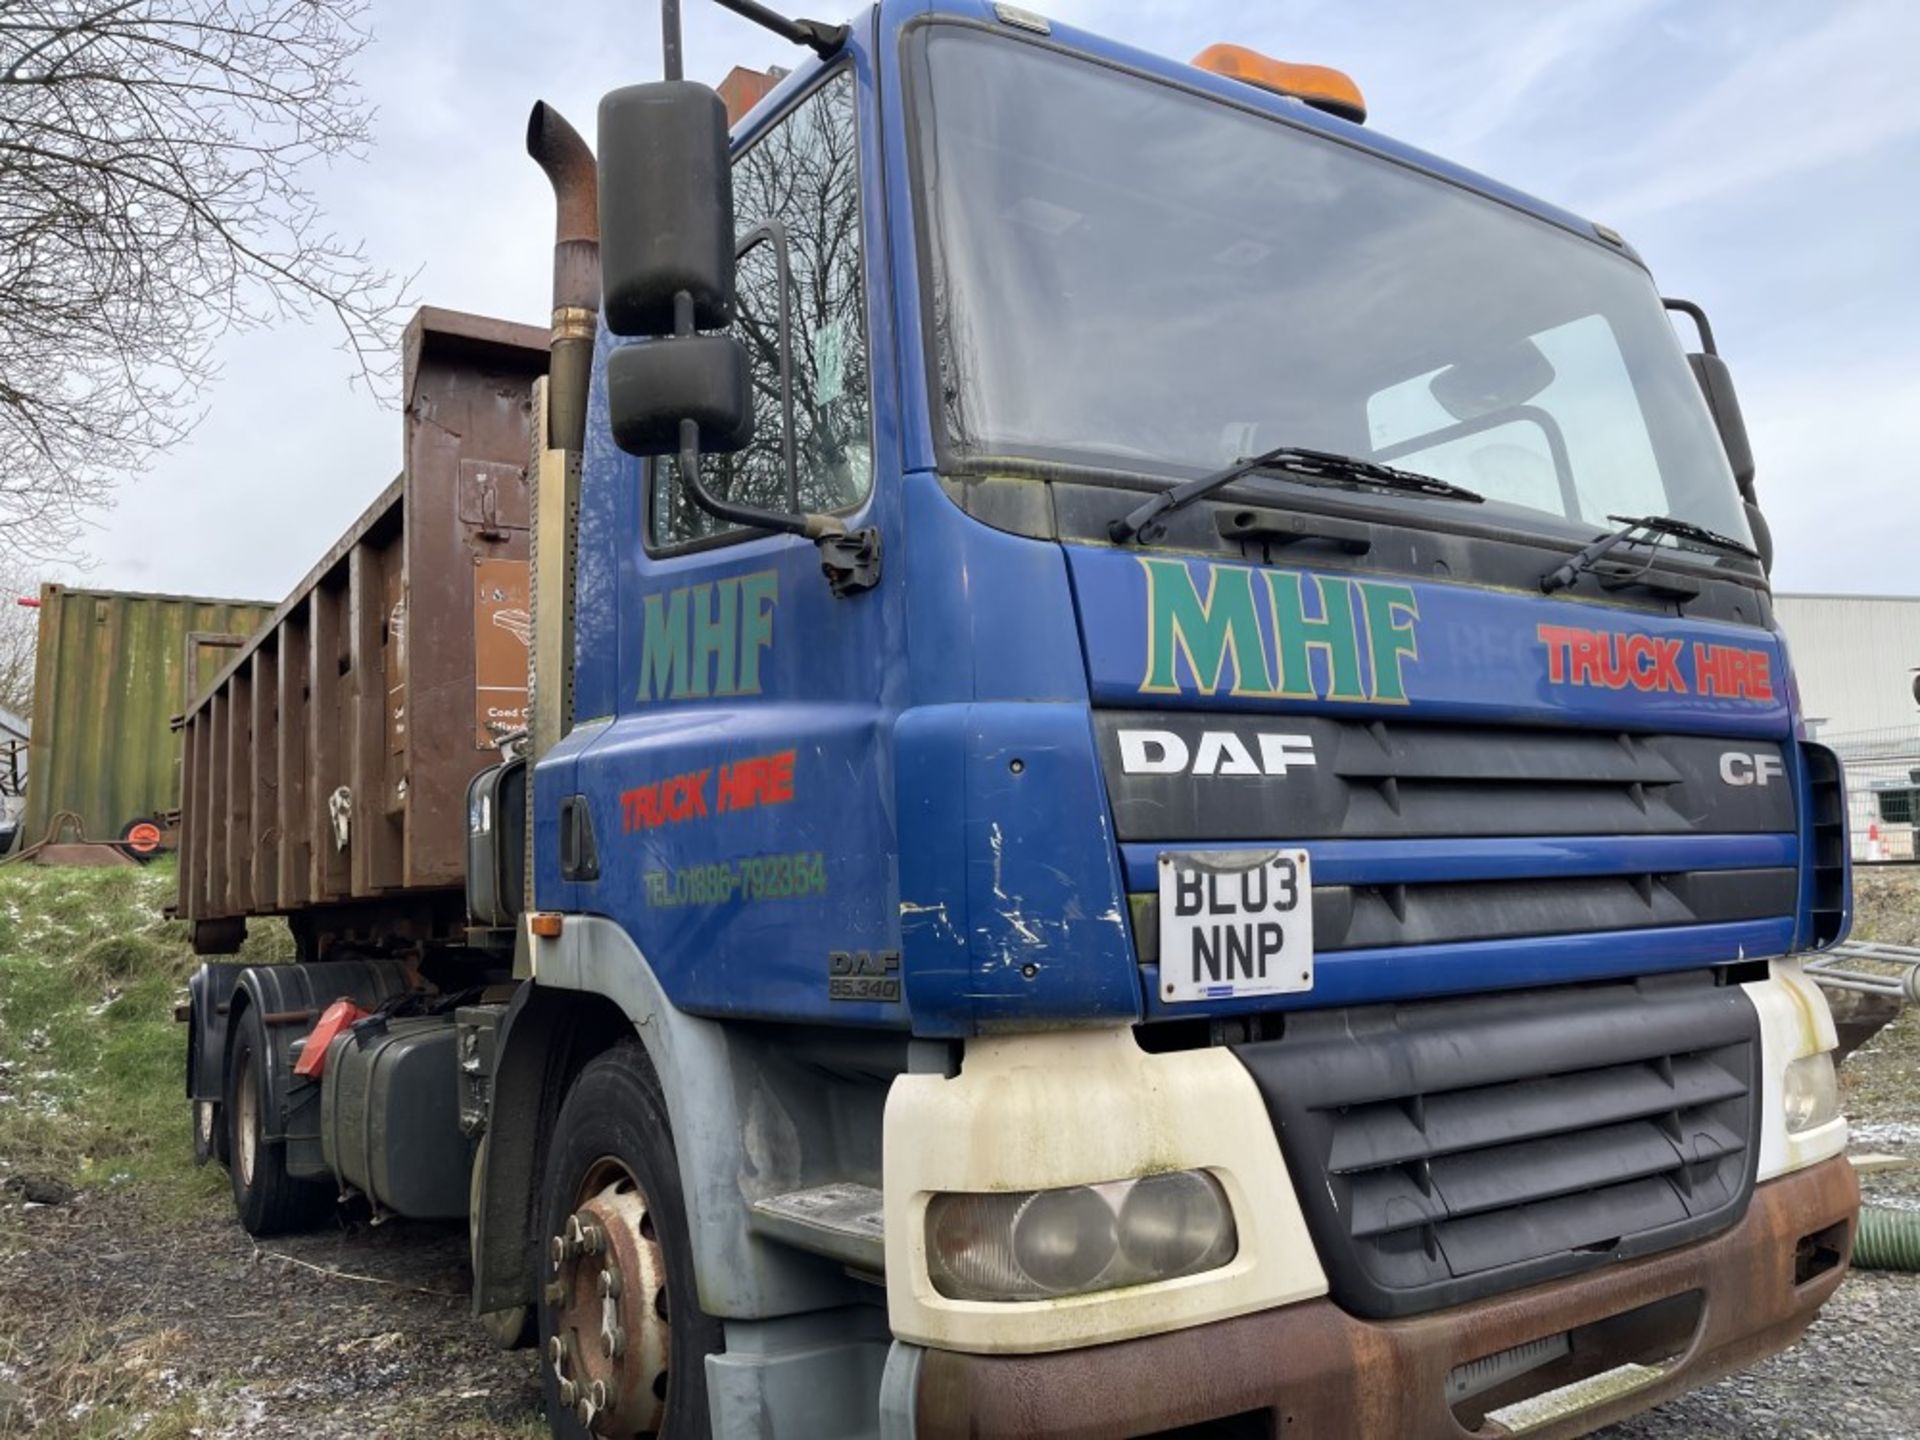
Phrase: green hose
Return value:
(1888, 1239)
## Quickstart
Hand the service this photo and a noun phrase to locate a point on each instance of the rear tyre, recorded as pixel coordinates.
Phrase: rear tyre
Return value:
(611, 1204)
(267, 1199)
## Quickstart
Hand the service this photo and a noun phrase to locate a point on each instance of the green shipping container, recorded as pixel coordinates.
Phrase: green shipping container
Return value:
(113, 670)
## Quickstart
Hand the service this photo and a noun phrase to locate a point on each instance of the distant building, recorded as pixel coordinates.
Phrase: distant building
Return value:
(1855, 659)
(743, 89)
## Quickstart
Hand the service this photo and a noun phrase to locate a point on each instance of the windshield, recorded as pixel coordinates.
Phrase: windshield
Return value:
(1131, 276)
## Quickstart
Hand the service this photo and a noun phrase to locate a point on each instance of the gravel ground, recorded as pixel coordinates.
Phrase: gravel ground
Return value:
(191, 1330)
(1856, 1373)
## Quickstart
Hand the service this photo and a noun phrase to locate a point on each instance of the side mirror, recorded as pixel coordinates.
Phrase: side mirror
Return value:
(656, 385)
(1715, 380)
(1710, 373)
(667, 267)
(1716, 383)
(666, 208)
(667, 273)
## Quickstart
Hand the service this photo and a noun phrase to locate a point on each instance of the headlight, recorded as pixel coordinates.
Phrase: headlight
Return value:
(1032, 1244)
(1812, 1093)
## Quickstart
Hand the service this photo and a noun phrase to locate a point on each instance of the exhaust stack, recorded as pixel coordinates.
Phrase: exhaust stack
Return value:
(558, 149)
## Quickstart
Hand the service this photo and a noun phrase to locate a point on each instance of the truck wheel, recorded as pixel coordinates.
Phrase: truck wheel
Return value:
(268, 1200)
(622, 1335)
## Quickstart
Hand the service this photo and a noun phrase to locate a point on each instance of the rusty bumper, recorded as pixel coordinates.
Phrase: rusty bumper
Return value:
(1690, 1314)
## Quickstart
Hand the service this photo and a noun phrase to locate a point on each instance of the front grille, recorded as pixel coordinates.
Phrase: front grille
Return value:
(1208, 778)
(1454, 1149)
(1361, 917)
(1828, 856)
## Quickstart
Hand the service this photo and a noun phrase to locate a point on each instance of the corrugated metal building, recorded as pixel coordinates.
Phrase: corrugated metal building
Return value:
(112, 671)
(1854, 657)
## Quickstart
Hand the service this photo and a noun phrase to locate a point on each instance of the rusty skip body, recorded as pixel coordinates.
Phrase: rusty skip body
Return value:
(1687, 1316)
(326, 764)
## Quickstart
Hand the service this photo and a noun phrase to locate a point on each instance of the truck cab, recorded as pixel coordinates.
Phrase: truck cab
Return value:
(1170, 800)
(1534, 1022)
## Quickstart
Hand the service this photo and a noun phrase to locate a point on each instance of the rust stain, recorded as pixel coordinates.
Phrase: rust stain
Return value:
(1317, 1371)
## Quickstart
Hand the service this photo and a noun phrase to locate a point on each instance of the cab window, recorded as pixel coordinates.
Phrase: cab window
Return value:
(797, 205)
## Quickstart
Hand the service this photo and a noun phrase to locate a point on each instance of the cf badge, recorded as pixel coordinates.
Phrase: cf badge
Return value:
(1737, 767)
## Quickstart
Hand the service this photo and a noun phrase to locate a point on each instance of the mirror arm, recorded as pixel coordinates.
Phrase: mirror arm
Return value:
(1697, 315)
(823, 39)
(850, 559)
(751, 516)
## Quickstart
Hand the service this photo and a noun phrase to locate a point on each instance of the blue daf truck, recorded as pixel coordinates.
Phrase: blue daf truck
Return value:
(1161, 796)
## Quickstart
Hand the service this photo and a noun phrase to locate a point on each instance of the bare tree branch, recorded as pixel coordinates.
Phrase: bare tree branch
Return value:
(19, 641)
(151, 200)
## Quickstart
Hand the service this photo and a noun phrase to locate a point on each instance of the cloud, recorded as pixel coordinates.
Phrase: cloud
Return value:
(1702, 131)
(1803, 101)
(1837, 474)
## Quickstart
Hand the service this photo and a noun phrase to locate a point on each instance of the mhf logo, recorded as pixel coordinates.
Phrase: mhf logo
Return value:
(1277, 634)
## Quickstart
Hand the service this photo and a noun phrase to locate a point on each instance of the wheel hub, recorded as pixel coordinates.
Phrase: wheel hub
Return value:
(608, 1293)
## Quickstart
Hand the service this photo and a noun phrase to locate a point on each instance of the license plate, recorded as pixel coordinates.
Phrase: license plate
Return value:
(1235, 922)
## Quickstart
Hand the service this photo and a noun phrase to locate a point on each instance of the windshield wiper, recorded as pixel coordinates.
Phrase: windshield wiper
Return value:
(1640, 530)
(1312, 465)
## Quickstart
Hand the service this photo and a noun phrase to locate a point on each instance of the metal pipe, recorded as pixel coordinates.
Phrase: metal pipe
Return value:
(823, 39)
(1889, 1239)
(670, 38)
(558, 149)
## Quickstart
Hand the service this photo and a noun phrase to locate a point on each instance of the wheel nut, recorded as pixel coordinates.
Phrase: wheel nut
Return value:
(569, 1392)
(586, 1410)
(598, 1394)
(610, 1284)
(557, 1352)
(556, 1293)
(613, 1342)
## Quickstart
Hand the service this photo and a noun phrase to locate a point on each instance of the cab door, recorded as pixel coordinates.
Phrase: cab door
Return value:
(737, 783)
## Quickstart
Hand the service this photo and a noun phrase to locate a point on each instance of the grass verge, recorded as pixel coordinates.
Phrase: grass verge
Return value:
(92, 1062)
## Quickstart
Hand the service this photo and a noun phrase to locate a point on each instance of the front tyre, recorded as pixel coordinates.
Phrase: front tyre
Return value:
(623, 1340)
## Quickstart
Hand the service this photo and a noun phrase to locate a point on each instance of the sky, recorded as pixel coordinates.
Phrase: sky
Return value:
(1760, 154)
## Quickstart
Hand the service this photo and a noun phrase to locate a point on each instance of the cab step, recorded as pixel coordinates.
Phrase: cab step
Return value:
(840, 1220)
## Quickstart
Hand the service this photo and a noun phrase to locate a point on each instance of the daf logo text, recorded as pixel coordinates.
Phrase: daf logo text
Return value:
(1216, 752)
